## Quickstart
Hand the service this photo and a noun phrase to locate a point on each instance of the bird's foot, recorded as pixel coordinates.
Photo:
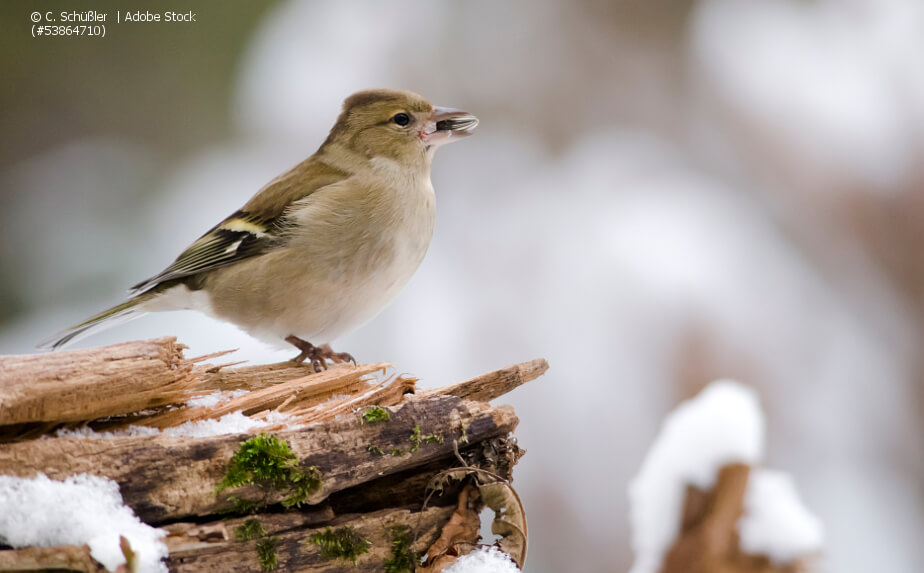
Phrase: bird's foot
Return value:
(319, 355)
(337, 357)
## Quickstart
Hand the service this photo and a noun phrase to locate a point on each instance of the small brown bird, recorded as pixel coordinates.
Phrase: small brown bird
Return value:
(322, 248)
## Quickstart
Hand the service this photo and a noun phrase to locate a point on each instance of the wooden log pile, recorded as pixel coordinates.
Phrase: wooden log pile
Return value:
(357, 449)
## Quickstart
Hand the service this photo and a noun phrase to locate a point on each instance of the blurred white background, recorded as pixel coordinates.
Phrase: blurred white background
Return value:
(659, 194)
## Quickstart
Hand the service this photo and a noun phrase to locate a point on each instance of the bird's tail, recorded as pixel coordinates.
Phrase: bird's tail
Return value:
(124, 312)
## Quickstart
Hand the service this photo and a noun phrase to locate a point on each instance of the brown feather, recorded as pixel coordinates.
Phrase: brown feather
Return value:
(297, 183)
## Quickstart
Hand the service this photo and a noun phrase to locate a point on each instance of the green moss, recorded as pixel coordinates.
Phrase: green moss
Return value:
(375, 450)
(267, 462)
(343, 543)
(415, 438)
(375, 414)
(240, 505)
(266, 553)
(264, 459)
(395, 452)
(302, 483)
(403, 559)
(250, 529)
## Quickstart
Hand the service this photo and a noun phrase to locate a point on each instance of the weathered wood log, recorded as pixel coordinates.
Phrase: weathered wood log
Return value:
(89, 384)
(295, 551)
(60, 558)
(214, 547)
(373, 471)
(189, 536)
(165, 478)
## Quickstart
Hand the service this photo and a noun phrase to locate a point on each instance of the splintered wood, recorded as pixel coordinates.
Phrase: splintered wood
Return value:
(312, 397)
(148, 384)
(134, 413)
(95, 383)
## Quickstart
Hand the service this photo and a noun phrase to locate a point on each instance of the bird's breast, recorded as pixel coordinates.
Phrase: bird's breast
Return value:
(359, 247)
(399, 234)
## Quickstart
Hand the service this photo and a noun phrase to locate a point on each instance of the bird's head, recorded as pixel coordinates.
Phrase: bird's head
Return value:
(396, 124)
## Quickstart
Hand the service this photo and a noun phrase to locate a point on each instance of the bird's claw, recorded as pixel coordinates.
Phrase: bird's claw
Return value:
(337, 357)
(319, 355)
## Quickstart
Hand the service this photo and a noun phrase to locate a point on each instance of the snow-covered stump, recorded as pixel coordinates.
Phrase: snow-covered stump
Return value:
(702, 504)
(247, 469)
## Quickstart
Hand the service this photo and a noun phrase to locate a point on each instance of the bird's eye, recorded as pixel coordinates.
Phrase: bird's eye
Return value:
(401, 119)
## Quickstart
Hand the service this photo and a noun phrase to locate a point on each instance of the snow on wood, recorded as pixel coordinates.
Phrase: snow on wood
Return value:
(698, 506)
(774, 522)
(81, 509)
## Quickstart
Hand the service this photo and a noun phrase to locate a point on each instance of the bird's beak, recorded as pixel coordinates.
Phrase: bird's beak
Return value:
(447, 125)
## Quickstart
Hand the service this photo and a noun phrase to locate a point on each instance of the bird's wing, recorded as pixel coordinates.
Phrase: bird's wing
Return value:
(238, 237)
(258, 226)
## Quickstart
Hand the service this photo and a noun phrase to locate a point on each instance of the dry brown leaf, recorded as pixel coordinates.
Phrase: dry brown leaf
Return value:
(463, 528)
(509, 519)
(497, 494)
(441, 480)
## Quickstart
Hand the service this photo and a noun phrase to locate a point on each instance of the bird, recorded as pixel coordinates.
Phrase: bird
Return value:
(324, 247)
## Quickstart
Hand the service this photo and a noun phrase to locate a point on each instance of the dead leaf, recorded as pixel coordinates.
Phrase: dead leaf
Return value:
(496, 493)
(509, 519)
(441, 481)
(462, 529)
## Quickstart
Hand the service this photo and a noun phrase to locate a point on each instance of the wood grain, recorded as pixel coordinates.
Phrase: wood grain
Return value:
(95, 383)
(497, 383)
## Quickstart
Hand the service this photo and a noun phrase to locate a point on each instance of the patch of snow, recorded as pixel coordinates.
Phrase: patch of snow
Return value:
(274, 418)
(775, 523)
(723, 424)
(233, 423)
(131, 431)
(215, 398)
(82, 509)
(484, 560)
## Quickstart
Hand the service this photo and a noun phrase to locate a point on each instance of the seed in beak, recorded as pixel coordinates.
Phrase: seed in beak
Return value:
(461, 123)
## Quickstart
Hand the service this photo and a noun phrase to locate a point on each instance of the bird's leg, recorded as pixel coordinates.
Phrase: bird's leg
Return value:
(306, 351)
(317, 354)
